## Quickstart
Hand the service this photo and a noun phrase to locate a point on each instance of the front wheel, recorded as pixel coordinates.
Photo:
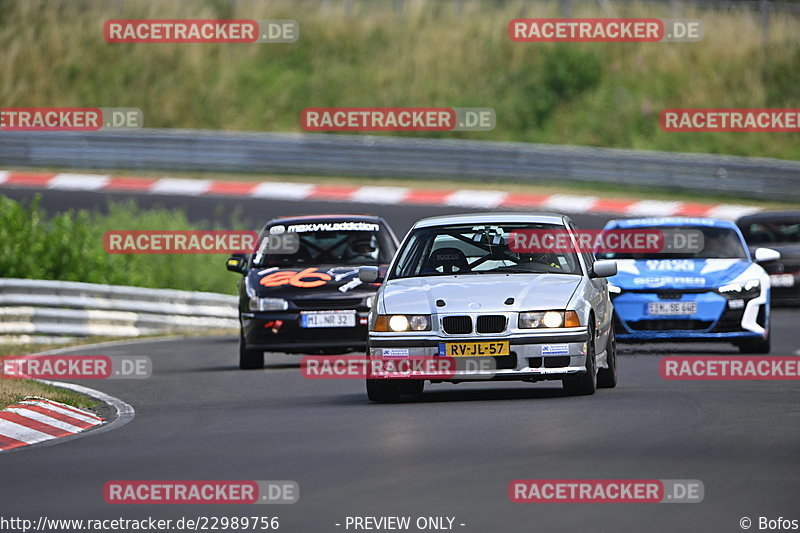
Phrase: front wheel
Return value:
(383, 390)
(607, 377)
(249, 359)
(584, 384)
(756, 345)
(412, 386)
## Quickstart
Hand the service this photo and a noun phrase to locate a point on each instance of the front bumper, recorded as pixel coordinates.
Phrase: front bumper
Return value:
(281, 331)
(785, 284)
(529, 359)
(718, 318)
(786, 296)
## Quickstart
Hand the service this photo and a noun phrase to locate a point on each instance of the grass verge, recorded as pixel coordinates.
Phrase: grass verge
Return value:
(15, 390)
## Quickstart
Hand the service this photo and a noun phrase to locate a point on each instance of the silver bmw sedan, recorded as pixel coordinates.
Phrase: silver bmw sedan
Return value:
(511, 293)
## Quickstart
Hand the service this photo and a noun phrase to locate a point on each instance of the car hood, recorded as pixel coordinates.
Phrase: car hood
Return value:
(677, 273)
(280, 282)
(479, 293)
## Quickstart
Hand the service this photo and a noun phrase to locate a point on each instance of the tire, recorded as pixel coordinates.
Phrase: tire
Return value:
(756, 345)
(584, 384)
(249, 359)
(383, 390)
(412, 386)
(607, 377)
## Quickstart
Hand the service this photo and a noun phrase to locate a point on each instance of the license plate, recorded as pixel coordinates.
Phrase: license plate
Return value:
(474, 349)
(328, 319)
(671, 308)
(782, 280)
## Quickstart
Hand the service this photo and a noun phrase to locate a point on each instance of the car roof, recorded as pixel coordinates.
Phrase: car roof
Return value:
(302, 219)
(490, 218)
(668, 221)
(766, 216)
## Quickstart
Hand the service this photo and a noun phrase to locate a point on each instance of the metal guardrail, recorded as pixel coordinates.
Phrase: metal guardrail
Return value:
(400, 157)
(31, 310)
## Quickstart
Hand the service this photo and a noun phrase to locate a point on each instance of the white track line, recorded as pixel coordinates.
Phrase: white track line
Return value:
(188, 187)
(22, 433)
(730, 211)
(78, 182)
(475, 198)
(89, 419)
(286, 191)
(653, 208)
(380, 195)
(39, 417)
(569, 203)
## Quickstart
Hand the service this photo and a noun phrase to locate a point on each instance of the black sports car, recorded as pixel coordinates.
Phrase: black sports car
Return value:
(300, 291)
(779, 230)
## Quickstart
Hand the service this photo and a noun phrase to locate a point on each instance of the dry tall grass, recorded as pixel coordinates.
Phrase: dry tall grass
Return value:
(364, 53)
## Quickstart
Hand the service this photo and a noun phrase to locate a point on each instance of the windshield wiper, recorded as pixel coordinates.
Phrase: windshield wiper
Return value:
(512, 270)
(280, 265)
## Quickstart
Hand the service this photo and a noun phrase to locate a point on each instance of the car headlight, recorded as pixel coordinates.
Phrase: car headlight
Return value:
(368, 301)
(399, 323)
(548, 319)
(613, 289)
(268, 304)
(740, 288)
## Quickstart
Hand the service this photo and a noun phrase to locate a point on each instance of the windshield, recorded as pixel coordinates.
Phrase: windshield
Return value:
(772, 232)
(477, 249)
(722, 243)
(327, 247)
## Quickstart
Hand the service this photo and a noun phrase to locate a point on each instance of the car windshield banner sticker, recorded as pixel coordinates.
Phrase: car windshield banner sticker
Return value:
(333, 226)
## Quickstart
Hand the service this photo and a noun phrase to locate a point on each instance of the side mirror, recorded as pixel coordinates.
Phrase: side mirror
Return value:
(369, 274)
(236, 263)
(603, 269)
(765, 255)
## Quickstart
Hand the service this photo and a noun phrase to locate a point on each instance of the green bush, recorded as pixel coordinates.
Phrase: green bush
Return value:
(69, 246)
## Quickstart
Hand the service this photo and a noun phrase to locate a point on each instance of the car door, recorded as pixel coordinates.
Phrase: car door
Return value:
(597, 296)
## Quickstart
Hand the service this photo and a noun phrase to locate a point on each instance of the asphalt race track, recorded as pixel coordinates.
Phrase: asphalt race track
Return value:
(451, 452)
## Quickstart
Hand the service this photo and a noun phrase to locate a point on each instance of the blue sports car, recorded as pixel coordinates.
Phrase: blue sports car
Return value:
(717, 292)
